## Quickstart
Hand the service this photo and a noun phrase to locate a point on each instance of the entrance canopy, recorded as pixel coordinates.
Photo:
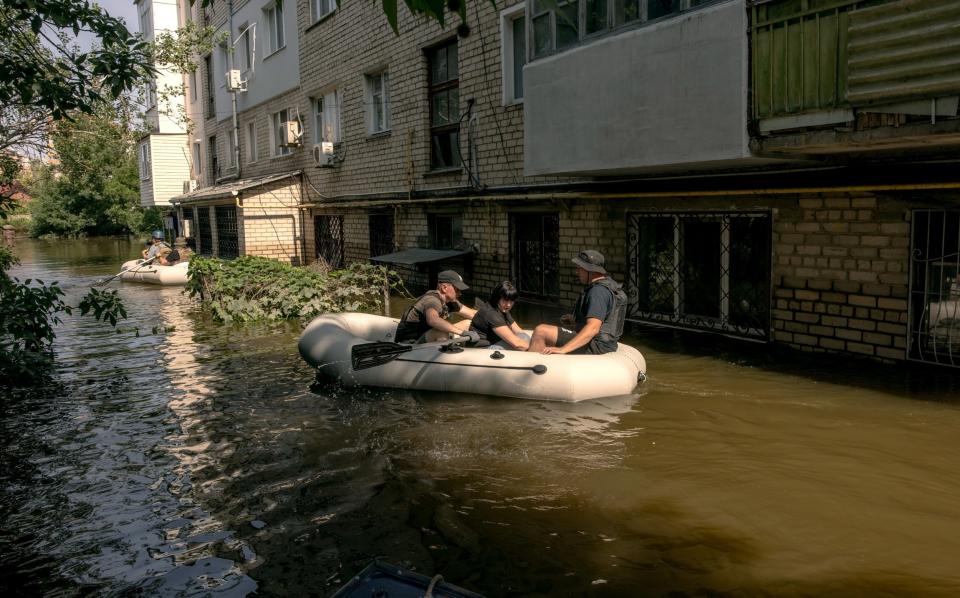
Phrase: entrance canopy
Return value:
(416, 257)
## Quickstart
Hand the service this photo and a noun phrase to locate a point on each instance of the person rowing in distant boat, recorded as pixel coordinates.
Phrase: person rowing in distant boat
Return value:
(597, 321)
(493, 321)
(158, 247)
(426, 319)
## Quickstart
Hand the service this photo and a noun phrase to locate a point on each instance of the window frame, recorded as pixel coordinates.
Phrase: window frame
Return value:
(507, 51)
(146, 162)
(315, 8)
(251, 142)
(231, 150)
(614, 22)
(435, 88)
(370, 80)
(275, 27)
(197, 160)
(318, 105)
(277, 149)
(212, 151)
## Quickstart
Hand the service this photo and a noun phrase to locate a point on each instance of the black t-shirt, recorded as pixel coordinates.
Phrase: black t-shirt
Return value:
(488, 318)
(596, 302)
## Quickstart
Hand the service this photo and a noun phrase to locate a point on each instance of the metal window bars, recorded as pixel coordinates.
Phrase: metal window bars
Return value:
(228, 245)
(706, 271)
(934, 305)
(204, 230)
(328, 234)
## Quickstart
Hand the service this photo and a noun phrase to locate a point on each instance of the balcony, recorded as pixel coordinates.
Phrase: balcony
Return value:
(845, 77)
(661, 93)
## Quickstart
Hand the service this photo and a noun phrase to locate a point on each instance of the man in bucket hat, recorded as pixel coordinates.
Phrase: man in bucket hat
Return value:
(596, 324)
(426, 319)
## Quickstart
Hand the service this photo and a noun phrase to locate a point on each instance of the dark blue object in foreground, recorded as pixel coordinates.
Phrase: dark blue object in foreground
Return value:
(389, 581)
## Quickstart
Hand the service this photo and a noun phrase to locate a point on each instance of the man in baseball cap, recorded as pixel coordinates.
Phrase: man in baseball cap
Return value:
(596, 324)
(426, 319)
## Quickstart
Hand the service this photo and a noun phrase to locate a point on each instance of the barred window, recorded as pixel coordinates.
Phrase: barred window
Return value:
(708, 271)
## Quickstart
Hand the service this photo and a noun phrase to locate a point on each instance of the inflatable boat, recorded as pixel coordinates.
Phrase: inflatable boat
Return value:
(134, 271)
(357, 349)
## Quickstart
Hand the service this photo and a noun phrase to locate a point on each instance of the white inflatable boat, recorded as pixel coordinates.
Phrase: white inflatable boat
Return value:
(134, 271)
(356, 349)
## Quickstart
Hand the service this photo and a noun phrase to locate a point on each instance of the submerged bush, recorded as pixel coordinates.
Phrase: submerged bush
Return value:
(259, 288)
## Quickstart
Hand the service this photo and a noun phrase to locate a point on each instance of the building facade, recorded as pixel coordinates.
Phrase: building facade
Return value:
(781, 171)
(162, 152)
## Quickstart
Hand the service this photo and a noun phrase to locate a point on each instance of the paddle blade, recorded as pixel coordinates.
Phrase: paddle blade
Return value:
(370, 355)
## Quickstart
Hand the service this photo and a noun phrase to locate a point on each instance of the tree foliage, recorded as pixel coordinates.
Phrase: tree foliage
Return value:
(41, 69)
(29, 310)
(94, 187)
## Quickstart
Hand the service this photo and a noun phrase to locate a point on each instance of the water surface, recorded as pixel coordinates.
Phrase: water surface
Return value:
(179, 456)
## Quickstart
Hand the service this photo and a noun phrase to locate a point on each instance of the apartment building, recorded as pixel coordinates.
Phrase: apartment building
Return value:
(781, 171)
(164, 163)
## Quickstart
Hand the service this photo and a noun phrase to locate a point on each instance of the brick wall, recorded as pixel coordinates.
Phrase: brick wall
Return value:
(841, 275)
(270, 221)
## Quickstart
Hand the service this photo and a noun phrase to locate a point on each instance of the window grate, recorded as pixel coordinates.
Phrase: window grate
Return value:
(381, 234)
(204, 230)
(934, 307)
(228, 246)
(328, 231)
(536, 254)
(705, 271)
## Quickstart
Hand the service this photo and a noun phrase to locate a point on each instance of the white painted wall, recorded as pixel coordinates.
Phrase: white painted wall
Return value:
(160, 16)
(272, 75)
(670, 94)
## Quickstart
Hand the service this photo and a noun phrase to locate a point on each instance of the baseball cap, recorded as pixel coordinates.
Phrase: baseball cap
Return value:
(591, 261)
(453, 278)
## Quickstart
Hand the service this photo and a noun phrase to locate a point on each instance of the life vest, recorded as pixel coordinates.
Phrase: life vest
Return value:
(612, 327)
(408, 329)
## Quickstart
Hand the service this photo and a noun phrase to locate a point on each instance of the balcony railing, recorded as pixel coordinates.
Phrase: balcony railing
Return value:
(810, 56)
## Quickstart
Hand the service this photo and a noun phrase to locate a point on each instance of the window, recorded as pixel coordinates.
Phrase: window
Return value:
(214, 165)
(231, 150)
(707, 271)
(225, 61)
(251, 142)
(321, 8)
(328, 234)
(145, 166)
(204, 231)
(193, 85)
(934, 334)
(444, 96)
(228, 245)
(513, 29)
(278, 124)
(197, 161)
(326, 118)
(535, 249)
(378, 101)
(560, 24)
(381, 234)
(444, 231)
(274, 19)
(245, 47)
(208, 68)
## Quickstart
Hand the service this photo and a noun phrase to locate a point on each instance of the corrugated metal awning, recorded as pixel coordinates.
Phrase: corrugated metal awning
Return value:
(903, 50)
(413, 257)
(232, 188)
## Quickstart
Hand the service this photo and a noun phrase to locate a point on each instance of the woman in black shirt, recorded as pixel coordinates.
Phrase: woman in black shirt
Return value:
(493, 321)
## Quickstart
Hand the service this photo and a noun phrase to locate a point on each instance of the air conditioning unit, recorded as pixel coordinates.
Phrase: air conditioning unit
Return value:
(291, 133)
(323, 154)
(189, 186)
(234, 82)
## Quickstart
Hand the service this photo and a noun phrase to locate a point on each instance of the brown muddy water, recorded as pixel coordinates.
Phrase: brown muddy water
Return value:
(196, 459)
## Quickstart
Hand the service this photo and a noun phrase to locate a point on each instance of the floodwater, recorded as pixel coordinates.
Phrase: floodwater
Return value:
(182, 457)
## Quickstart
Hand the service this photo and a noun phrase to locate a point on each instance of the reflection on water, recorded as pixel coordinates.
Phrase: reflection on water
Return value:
(203, 459)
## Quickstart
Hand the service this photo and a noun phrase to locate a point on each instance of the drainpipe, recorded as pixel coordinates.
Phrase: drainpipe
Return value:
(233, 93)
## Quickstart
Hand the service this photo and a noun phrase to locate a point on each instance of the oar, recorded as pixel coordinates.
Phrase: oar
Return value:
(100, 283)
(370, 355)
